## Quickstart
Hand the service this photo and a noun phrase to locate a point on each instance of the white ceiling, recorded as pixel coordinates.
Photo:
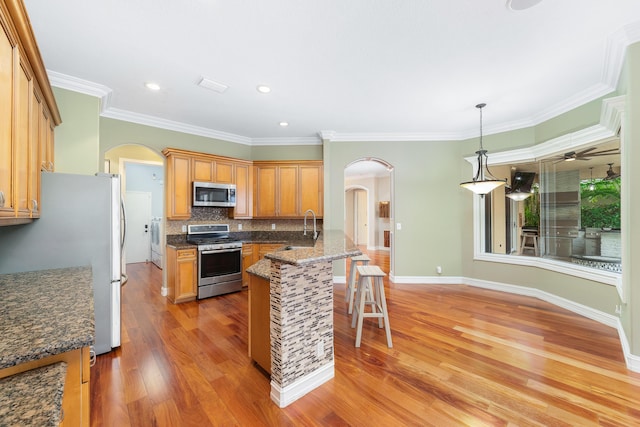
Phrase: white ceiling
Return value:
(356, 69)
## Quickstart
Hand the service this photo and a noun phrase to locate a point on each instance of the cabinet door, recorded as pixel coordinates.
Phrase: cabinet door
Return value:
(265, 191)
(186, 272)
(224, 172)
(33, 179)
(287, 193)
(311, 184)
(244, 201)
(247, 261)
(182, 271)
(6, 123)
(21, 141)
(178, 187)
(203, 170)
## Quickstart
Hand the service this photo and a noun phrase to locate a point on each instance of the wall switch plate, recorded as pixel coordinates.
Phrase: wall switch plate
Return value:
(273, 226)
(439, 270)
(398, 226)
(320, 348)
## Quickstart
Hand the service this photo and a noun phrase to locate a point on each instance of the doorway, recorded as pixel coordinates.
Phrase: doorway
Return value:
(368, 188)
(138, 240)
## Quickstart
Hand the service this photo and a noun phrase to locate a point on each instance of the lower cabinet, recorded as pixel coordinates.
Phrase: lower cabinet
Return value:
(75, 400)
(182, 274)
(248, 260)
(259, 319)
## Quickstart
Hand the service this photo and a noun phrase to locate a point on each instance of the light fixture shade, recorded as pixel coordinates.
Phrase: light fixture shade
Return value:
(482, 186)
(483, 182)
(518, 196)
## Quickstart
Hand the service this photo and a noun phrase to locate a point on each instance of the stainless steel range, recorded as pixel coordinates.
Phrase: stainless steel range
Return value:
(219, 259)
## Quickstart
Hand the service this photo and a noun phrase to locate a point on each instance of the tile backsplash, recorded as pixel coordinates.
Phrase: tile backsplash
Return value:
(210, 215)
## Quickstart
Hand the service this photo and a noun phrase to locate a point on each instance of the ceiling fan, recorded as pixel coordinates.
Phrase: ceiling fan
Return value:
(611, 174)
(585, 154)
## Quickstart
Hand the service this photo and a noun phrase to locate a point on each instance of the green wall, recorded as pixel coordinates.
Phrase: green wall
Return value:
(76, 147)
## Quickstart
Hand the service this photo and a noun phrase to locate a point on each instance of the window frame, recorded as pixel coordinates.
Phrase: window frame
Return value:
(610, 123)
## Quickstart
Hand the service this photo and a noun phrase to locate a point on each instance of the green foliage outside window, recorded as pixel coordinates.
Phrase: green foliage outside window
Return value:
(600, 203)
(532, 209)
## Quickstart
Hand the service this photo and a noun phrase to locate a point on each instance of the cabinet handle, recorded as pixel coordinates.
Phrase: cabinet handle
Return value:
(1, 199)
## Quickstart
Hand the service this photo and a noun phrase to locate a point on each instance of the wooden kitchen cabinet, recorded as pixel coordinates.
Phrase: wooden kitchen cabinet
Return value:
(182, 274)
(184, 167)
(248, 259)
(259, 322)
(287, 189)
(25, 93)
(243, 173)
(75, 398)
(177, 186)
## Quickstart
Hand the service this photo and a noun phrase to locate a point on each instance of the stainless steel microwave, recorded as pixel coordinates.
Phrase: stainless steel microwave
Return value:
(214, 194)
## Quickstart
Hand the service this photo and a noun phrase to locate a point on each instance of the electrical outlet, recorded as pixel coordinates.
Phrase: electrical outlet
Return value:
(439, 270)
(320, 348)
(184, 228)
(398, 226)
(239, 226)
(618, 309)
(273, 226)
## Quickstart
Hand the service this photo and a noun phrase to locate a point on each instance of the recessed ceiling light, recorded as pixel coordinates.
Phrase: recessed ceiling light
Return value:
(521, 4)
(152, 86)
(263, 89)
(284, 124)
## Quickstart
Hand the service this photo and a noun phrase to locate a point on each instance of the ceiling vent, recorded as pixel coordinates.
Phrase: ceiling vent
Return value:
(213, 85)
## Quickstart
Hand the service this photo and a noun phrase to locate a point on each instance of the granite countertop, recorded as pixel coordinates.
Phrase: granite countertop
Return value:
(179, 241)
(331, 245)
(44, 313)
(33, 397)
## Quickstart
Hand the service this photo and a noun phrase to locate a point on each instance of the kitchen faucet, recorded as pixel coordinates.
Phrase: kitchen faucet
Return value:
(315, 231)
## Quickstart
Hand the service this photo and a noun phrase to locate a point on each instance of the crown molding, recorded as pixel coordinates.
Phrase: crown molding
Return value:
(614, 55)
(143, 119)
(303, 140)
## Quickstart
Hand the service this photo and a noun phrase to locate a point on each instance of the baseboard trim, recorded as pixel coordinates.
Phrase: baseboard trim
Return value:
(283, 396)
(632, 360)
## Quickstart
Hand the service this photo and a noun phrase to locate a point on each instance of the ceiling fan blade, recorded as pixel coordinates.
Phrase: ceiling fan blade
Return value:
(583, 152)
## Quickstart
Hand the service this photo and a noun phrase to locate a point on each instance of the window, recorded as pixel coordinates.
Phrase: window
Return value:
(570, 223)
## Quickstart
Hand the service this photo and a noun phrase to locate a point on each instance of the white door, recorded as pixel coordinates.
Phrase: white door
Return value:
(137, 243)
(362, 215)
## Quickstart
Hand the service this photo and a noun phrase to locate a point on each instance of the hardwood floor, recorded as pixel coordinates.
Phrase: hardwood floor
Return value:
(461, 356)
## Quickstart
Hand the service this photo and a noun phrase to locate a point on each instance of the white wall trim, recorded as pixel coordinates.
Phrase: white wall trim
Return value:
(284, 396)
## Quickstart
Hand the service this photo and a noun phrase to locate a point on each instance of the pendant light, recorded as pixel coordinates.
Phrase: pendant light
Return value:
(515, 192)
(592, 185)
(483, 182)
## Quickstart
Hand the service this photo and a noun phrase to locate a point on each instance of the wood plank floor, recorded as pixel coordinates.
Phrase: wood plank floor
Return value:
(461, 356)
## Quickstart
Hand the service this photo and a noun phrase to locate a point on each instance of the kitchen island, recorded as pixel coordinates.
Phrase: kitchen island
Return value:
(46, 328)
(301, 313)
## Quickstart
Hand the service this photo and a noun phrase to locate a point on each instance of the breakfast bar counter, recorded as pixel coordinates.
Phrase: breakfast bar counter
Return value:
(301, 313)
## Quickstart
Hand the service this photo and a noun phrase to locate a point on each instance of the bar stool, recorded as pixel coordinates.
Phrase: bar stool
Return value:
(378, 305)
(529, 241)
(351, 282)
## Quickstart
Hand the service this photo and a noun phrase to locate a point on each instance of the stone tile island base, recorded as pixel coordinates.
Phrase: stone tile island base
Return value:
(301, 329)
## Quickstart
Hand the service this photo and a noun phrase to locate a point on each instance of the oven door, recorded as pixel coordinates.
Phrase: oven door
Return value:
(219, 266)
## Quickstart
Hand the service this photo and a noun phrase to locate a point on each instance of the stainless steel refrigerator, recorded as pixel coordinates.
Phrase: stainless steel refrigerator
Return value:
(81, 224)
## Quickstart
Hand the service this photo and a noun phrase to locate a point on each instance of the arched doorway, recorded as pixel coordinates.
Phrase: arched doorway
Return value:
(368, 216)
(142, 178)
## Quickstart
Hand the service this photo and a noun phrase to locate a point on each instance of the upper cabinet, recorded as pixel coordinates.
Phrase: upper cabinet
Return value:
(184, 167)
(28, 115)
(287, 189)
